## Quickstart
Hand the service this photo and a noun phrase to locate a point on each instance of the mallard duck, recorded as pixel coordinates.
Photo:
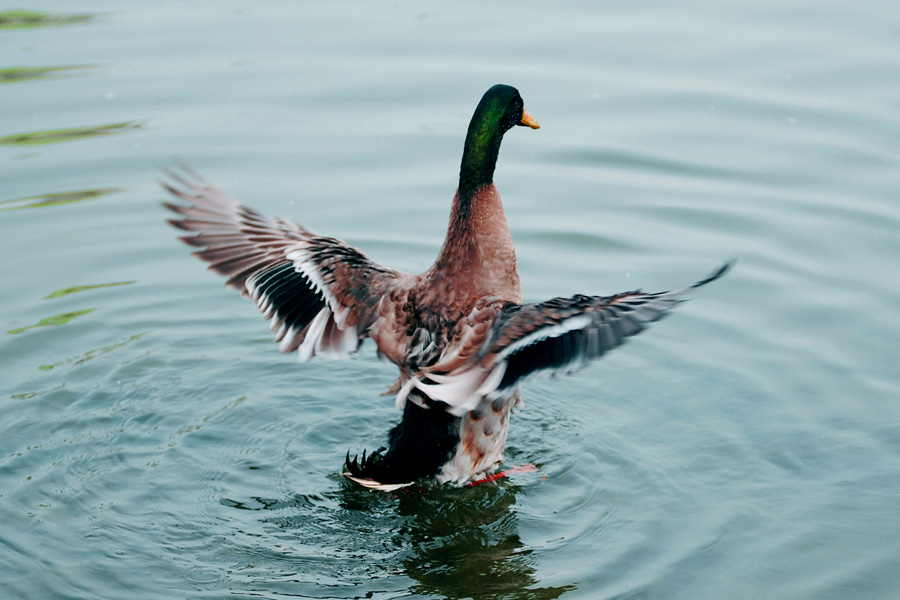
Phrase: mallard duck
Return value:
(459, 332)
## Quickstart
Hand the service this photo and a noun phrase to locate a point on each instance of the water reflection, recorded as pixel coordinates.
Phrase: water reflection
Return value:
(453, 543)
(465, 544)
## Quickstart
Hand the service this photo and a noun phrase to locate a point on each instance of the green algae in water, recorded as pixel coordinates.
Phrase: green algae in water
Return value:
(17, 74)
(17, 19)
(60, 319)
(83, 288)
(195, 426)
(92, 354)
(57, 199)
(53, 136)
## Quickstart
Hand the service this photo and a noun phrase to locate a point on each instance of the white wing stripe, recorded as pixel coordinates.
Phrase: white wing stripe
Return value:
(308, 348)
(576, 322)
(300, 257)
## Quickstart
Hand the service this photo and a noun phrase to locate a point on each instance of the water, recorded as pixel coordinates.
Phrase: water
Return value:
(153, 443)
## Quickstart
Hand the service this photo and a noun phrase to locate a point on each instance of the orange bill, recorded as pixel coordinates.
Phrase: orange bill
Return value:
(529, 121)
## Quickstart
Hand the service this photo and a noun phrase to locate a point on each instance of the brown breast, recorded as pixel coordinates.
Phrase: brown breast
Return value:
(478, 260)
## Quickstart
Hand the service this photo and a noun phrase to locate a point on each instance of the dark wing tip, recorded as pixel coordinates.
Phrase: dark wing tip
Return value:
(179, 223)
(716, 274)
(180, 162)
(613, 320)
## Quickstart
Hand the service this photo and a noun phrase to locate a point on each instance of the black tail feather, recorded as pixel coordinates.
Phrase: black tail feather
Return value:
(423, 441)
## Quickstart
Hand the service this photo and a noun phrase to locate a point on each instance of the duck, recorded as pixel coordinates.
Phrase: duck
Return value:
(459, 333)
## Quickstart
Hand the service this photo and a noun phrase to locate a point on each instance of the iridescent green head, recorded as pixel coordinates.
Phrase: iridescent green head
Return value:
(501, 108)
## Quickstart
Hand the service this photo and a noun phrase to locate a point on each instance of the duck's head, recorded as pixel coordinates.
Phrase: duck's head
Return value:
(501, 108)
(503, 105)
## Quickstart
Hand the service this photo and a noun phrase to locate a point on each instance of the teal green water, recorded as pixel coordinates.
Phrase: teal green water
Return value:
(154, 444)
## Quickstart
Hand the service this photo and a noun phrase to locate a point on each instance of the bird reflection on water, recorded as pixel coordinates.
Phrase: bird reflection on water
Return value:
(454, 543)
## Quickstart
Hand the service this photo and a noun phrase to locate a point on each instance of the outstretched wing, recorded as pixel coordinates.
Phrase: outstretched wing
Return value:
(320, 294)
(557, 336)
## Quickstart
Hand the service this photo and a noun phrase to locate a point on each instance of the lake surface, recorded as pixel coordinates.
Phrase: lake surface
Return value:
(154, 443)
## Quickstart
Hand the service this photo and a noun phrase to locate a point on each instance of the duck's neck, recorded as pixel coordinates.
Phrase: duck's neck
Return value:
(478, 254)
(480, 152)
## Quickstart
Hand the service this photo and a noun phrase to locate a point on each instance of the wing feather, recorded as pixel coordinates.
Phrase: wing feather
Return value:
(319, 294)
(558, 336)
